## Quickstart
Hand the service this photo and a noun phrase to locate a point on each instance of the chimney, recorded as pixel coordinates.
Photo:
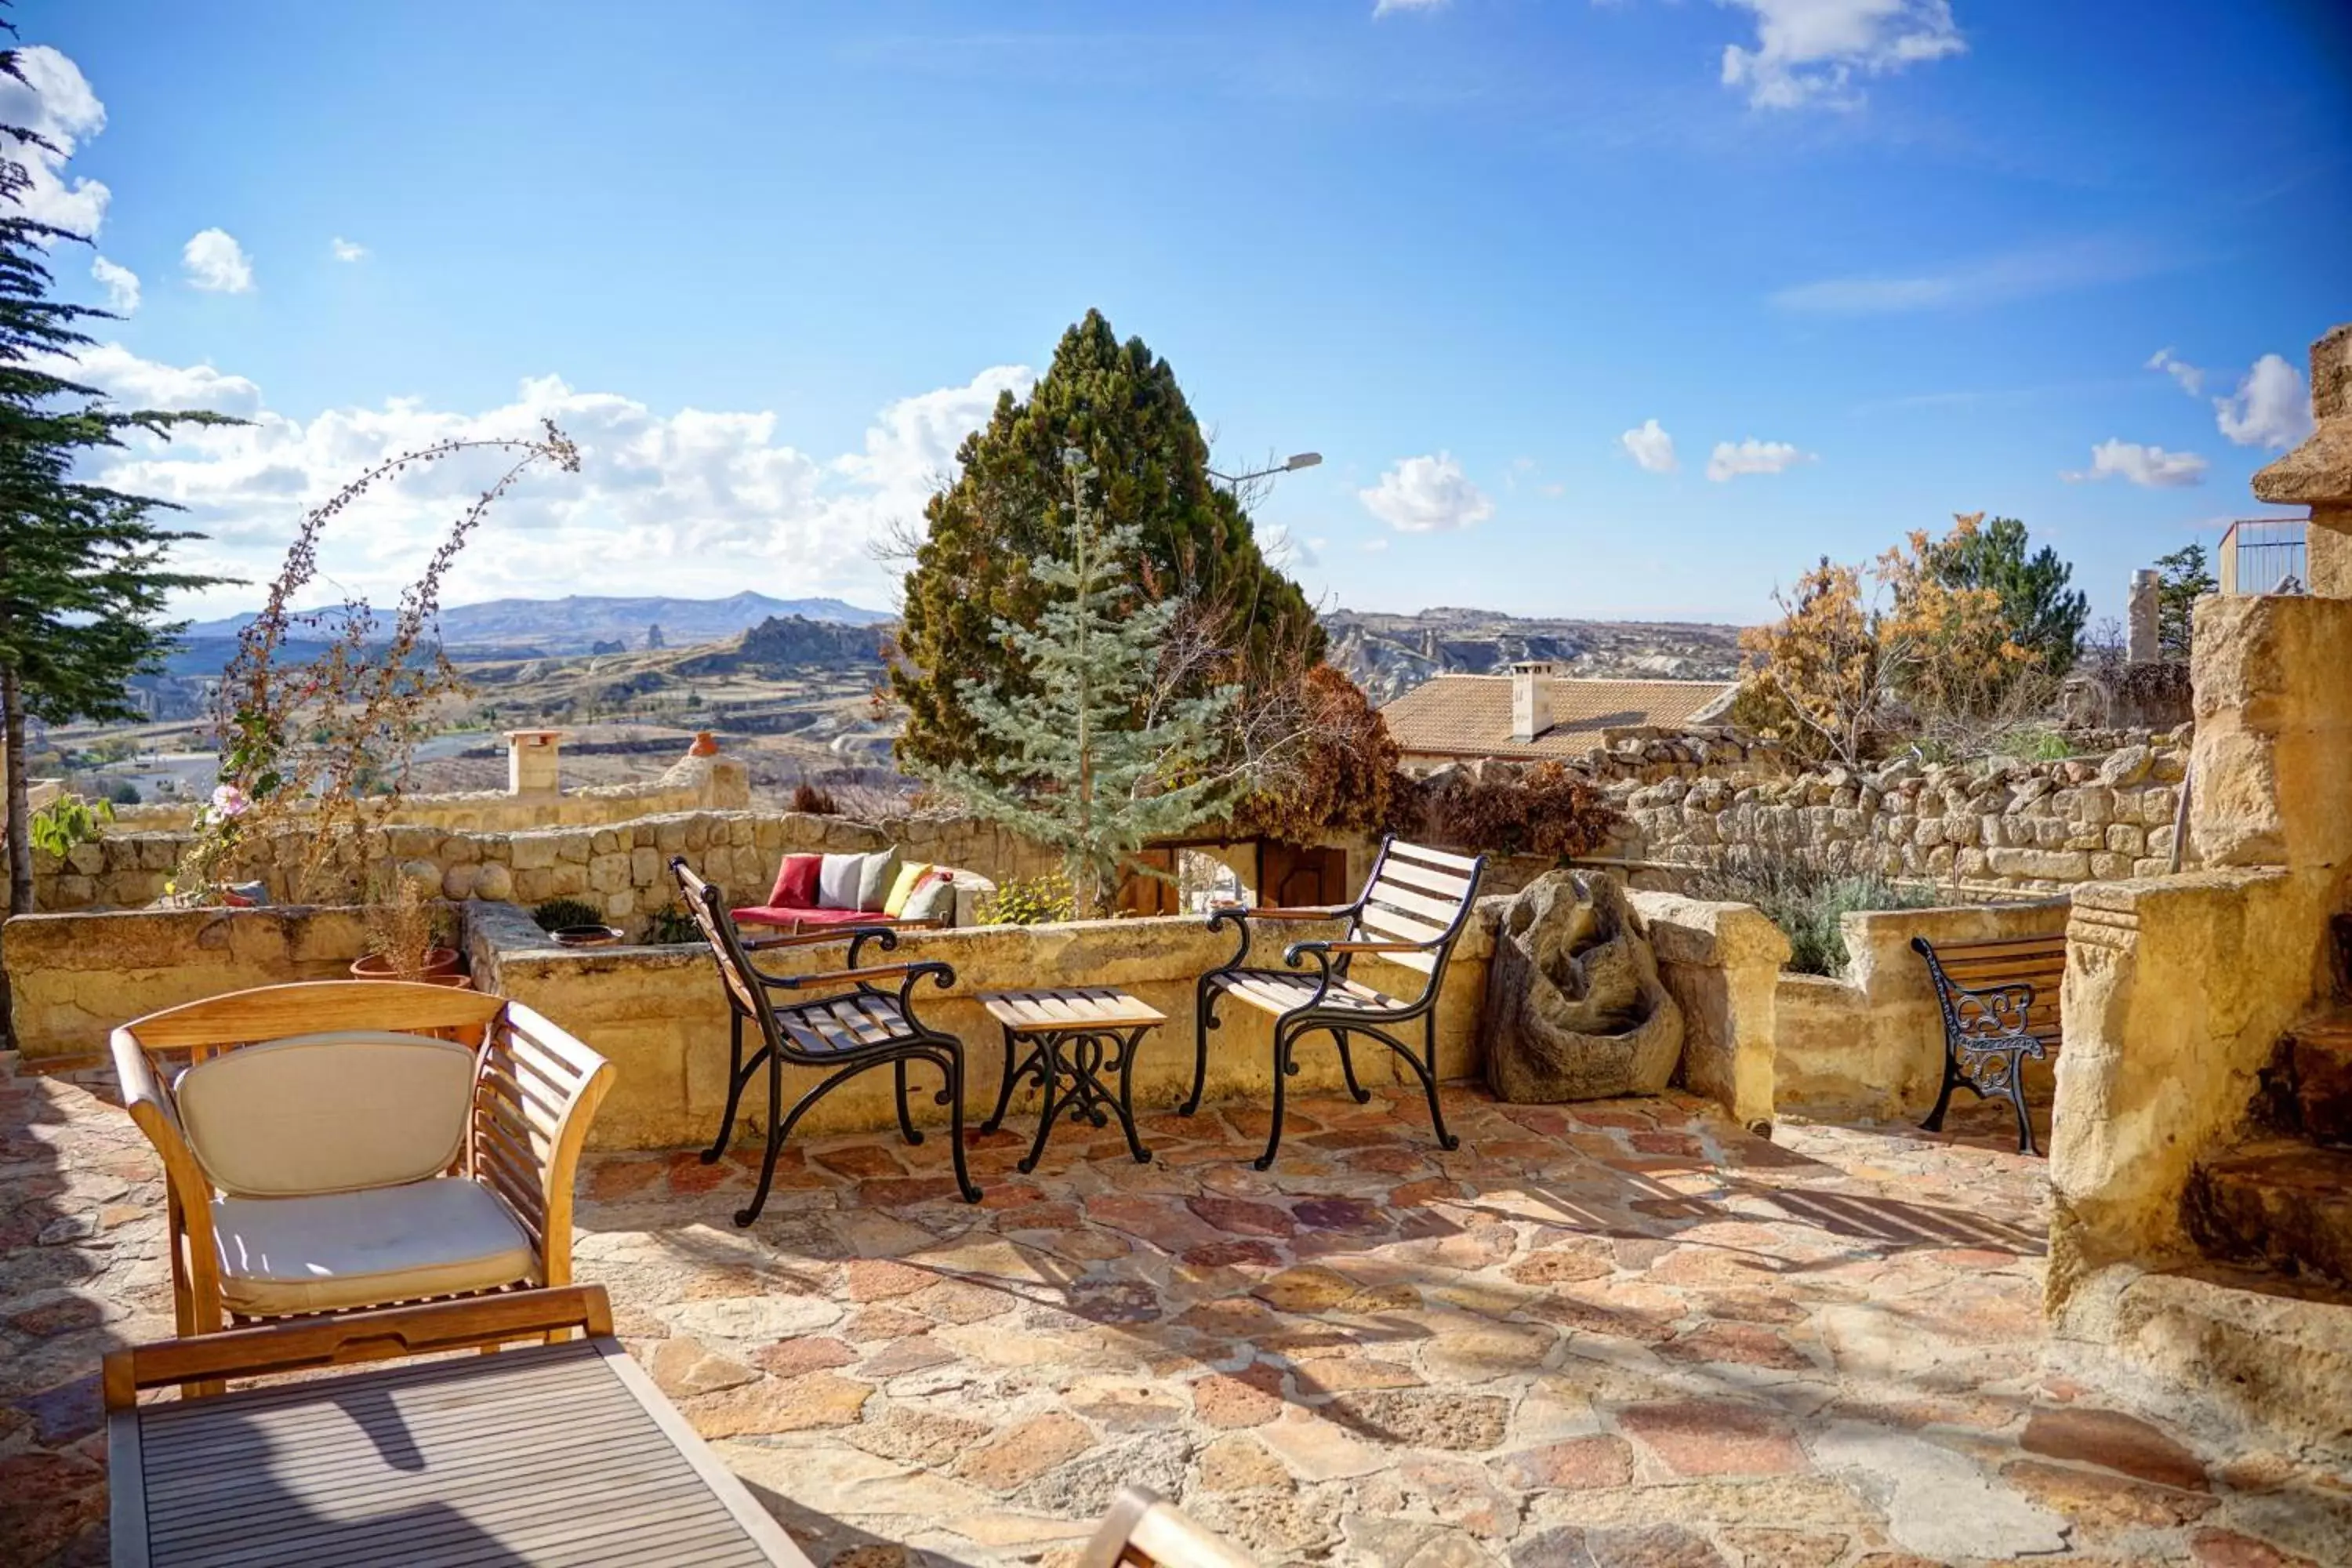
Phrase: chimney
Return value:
(1530, 701)
(531, 761)
(2140, 644)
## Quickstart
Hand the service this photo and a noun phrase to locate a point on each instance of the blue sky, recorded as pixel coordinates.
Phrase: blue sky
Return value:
(1864, 263)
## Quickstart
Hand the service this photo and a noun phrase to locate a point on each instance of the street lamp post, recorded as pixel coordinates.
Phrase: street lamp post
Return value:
(1291, 463)
(1233, 483)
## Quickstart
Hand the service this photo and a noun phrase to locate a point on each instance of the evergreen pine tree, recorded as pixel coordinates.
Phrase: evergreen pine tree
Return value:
(82, 577)
(1094, 761)
(1120, 404)
(2184, 577)
(2044, 616)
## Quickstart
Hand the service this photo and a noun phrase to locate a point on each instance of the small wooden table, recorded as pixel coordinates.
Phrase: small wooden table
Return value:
(550, 1454)
(1074, 1035)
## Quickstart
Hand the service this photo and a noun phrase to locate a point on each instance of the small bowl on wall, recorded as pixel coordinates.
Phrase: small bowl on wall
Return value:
(585, 936)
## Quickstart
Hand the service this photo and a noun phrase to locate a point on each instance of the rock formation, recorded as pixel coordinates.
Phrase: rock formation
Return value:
(1574, 1007)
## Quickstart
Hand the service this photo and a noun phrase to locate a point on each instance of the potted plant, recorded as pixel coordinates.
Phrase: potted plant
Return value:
(404, 930)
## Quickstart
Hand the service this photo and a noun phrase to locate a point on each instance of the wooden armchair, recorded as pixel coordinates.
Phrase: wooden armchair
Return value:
(853, 1024)
(1413, 908)
(335, 1145)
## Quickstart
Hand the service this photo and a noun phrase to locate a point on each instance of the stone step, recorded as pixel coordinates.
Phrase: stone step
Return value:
(2283, 1203)
(2319, 1057)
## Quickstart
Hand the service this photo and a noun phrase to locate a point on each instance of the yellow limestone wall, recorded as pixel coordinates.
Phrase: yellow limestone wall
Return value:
(2177, 989)
(1721, 963)
(1870, 1042)
(659, 1014)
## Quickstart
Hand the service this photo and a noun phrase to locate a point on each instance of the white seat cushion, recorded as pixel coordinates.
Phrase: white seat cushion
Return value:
(337, 1250)
(327, 1113)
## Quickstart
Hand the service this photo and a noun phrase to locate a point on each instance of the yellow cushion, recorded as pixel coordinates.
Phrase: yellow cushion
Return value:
(327, 1113)
(339, 1250)
(909, 873)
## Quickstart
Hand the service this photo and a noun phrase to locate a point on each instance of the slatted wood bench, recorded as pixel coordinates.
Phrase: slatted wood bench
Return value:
(549, 1454)
(1999, 1001)
(1414, 907)
(848, 1032)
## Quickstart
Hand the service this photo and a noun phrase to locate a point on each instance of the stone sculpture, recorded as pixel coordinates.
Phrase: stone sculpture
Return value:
(1574, 1007)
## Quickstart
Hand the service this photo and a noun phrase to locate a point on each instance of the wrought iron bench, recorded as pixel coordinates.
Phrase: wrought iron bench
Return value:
(1414, 907)
(842, 1034)
(2000, 1000)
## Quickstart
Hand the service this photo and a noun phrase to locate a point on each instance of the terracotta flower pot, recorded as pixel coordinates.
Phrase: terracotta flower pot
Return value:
(440, 968)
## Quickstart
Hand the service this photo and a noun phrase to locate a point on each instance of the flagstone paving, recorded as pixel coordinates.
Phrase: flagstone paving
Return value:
(1612, 1335)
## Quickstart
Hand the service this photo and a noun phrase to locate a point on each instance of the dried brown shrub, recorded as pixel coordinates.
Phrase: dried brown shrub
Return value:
(1550, 809)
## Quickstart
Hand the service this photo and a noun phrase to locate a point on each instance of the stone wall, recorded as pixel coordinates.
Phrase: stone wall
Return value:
(1721, 963)
(623, 868)
(659, 1014)
(72, 978)
(692, 784)
(1991, 829)
(1870, 1042)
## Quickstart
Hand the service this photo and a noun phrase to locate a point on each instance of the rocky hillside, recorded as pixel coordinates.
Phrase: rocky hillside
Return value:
(581, 622)
(1389, 654)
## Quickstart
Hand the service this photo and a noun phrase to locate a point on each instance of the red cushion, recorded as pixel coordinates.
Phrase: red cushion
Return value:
(785, 915)
(796, 882)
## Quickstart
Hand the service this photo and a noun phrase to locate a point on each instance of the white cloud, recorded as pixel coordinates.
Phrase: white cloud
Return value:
(692, 502)
(1651, 446)
(1752, 457)
(347, 250)
(1427, 494)
(1388, 7)
(1375, 545)
(215, 263)
(122, 285)
(2271, 406)
(2152, 466)
(1809, 52)
(55, 102)
(136, 382)
(2022, 274)
(2190, 379)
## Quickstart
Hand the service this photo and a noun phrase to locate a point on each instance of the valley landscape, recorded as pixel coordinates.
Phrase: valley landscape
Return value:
(790, 686)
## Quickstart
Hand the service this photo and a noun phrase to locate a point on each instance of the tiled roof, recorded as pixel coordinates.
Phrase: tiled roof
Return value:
(1470, 715)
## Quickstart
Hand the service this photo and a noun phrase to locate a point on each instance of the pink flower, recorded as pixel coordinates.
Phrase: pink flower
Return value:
(229, 801)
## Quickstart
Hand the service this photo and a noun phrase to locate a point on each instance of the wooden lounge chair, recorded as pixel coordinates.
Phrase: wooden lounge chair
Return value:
(562, 1452)
(1414, 907)
(843, 1033)
(334, 1145)
(1143, 1531)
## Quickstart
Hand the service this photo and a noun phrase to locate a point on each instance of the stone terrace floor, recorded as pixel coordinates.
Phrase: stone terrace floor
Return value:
(1617, 1334)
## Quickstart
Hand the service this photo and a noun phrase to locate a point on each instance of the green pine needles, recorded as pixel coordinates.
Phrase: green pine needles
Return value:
(1097, 755)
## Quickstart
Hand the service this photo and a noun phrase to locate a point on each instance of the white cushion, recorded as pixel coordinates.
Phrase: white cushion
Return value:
(441, 1237)
(327, 1113)
(839, 881)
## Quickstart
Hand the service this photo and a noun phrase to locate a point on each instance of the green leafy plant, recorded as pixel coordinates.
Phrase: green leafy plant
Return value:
(1034, 902)
(1096, 758)
(67, 821)
(557, 913)
(669, 925)
(2036, 745)
(1808, 896)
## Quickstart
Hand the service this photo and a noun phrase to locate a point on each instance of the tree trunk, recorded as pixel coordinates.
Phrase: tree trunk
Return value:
(20, 826)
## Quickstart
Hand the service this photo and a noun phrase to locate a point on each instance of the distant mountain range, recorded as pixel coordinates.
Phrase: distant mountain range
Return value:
(581, 622)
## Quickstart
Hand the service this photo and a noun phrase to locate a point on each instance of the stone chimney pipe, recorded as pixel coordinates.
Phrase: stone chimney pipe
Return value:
(1531, 700)
(531, 761)
(2141, 645)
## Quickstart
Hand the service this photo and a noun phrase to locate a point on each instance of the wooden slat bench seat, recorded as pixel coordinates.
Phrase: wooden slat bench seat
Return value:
(2000, 1000)
(1414, 907)
(561, 1453)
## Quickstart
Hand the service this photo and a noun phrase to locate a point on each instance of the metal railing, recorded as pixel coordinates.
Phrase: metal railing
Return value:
(2264, 555)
